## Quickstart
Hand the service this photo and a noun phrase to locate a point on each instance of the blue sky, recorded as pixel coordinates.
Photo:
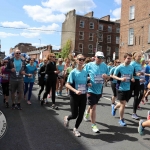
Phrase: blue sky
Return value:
(45, 15)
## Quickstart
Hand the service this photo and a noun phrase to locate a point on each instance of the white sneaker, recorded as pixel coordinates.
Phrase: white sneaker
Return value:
(134, 116)
(76, 132)
(95, 129)
(66, 122)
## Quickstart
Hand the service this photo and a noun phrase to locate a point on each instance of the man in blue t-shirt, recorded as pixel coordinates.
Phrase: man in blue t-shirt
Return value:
(124, 74)
(98, 72)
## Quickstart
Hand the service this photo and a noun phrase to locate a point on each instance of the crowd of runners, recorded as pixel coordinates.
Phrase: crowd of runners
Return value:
(83, 79)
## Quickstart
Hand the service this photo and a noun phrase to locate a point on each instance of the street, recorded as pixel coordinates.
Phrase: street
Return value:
(41, 128)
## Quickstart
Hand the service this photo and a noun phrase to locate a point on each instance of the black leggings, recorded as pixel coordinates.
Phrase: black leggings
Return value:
(50, 84)
(42, 88)
(78, 105)
(135, 86)
(113, 86)
(5, 87)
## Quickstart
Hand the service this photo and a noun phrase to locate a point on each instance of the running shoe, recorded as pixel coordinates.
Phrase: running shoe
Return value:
(86, 116)
(148, 115)
(54, 107)
(142, 102)
(76, 132)
(66, 122)
(134, 116)
(113, 110)
(60, 93)
(28, 102)
(95, 129)
(122, 123)
(140, 128)
(13, 106)
(18, 106)
(6, 105)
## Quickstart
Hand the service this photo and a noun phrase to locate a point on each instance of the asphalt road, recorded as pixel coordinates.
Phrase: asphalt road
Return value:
(41, 128)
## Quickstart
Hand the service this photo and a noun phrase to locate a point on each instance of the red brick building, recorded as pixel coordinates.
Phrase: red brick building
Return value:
(89, 34)
(135, 27)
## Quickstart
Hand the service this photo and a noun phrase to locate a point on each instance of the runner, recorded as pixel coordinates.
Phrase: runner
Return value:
(29, 79)
(98, 72)
(123, 73)
(76, 83)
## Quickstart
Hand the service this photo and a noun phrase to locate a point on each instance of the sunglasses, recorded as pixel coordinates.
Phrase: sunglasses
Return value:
(5, 62)
(18, 53)
(52, 56)
(81, 59)
(100, 57)
(118, 62)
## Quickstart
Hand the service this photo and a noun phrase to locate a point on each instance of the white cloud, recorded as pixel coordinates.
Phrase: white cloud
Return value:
(17, 24)
(55, 47)
(116, 14)
(5, 34)
(29, 34)
(41, 14)
(118, 2)
(67, 5)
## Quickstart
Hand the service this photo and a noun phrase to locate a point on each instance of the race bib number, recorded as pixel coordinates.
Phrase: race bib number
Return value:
(17, 73)
(127, 76)
(82, 88)
(31, 77)
(60, 74)
(98, 79)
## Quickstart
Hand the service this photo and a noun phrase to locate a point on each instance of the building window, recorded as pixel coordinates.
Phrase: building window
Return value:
(117, 51)
(130, 37)
(90, 49)
(117, 30)
(100, 27)
(99, 48)
(82, 24)
(81, 35)
(108, 38)
(149, 35)
(100, 36)
(109, 28)
(80, 49)
(132, 13)
(91, 35)
(108, 50)
(117, 40)
(91, 25)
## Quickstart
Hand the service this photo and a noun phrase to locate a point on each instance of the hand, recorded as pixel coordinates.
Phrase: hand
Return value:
(78, 92)
(138, 74)
(56, 72)
(123, 79)
(13, 70)
(29, 75)
(23, 72)
(104, 76)
(133, 80)
(89, 84)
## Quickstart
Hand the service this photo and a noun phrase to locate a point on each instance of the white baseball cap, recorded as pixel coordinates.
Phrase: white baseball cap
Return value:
(101, 54)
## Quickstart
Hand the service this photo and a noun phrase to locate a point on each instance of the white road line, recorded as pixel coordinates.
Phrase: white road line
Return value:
(110, 100)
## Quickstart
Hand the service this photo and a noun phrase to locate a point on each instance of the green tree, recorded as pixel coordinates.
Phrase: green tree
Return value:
(66, 49)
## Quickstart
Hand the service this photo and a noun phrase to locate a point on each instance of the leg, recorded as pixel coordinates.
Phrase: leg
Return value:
(20, 89)
(53, 86)
(121, 109)
(26, 88)
(30, 90)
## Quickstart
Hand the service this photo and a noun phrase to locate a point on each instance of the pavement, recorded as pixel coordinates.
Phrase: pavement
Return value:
(41, 128)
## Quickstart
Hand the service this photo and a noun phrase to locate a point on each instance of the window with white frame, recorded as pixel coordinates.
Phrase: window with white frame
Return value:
(80, 47)
(90, 49)
(91, 25)
(81, 35)
(108, 38)
(101, 27)
(100, 36)
(117, 40)
(109, 28)
(108, 50)
(99, 48)
(117, 30)
(82, 24)
(149, 35)
(117, 51)
(91, 36)
(132, 12)
(131, 36)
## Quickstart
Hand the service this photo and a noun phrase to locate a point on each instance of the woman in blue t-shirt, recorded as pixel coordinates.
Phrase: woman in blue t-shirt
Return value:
(77, 84)
(29, 79)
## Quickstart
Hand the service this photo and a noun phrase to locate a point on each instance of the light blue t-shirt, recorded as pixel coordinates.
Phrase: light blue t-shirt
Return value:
(109, 68)
(124, 71)
(137, 68)
(17, 64)
(78, 79)
(95, 72)
(30, 70)
(112, 70)
(61, 69)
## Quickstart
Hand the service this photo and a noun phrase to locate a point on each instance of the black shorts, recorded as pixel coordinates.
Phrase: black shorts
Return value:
(93, 98)
(114, 89)
(123, 95)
